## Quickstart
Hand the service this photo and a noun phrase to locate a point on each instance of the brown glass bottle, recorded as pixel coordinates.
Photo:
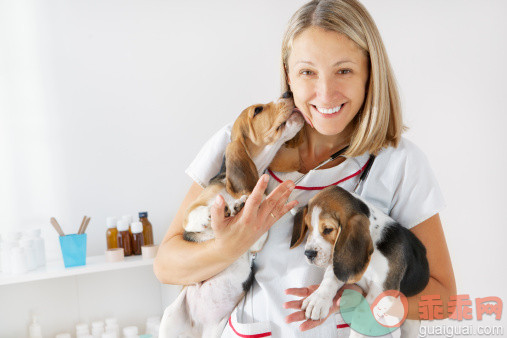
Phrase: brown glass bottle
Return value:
(137, 237)
(124, 240)
(111, 233)
(147, 228)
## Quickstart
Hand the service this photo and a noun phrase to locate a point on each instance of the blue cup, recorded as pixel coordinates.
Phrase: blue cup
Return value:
(73, 250)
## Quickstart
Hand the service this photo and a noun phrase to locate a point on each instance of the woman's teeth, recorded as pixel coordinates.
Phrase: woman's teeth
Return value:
(328, 111)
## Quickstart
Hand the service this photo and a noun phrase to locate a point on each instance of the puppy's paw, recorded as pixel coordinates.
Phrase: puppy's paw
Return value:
(317, 305)
(198, 219)
(238, 205)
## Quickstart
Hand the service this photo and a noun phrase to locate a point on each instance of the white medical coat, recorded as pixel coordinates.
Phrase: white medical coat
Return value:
(400, 183)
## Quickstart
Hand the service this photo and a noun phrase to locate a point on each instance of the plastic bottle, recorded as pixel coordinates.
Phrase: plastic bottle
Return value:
(97, 329)
(112, 233)
(38, 243)
(147, 228)
(31, 255)
(137, 237)
(124, 240)
(152, 326)
(130, 332)
(18, 260)
(35, 330)
(112, 327)
(63, 335)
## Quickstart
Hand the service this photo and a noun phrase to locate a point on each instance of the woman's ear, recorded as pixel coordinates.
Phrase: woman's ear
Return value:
(353, 249)
(240, 171)
(300, 227)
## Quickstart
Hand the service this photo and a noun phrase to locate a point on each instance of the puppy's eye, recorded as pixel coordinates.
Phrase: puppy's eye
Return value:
(327, 231)
(258, 110)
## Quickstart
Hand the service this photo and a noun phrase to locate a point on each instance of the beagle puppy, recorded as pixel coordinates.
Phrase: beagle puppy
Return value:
(201, 310)
(357, 243)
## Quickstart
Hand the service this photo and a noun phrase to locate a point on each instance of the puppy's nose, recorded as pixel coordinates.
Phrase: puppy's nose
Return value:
(287, 95)
(311, 254)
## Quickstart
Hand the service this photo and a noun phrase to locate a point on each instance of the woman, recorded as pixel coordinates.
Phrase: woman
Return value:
(334, 62)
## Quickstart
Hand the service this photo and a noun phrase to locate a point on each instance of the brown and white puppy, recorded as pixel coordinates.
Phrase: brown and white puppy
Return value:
(257, 134)
(357, 243)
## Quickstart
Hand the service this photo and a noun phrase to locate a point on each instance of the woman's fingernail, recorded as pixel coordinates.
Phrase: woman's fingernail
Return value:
(265, 178)
(218, 200)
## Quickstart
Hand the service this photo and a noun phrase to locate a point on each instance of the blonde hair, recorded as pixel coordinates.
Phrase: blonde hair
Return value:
(379, 122)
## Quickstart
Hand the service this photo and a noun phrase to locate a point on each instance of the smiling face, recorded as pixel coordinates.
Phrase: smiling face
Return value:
(328, 74)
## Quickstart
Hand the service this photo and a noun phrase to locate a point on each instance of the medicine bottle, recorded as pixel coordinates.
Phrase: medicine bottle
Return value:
(112, 233)
(35, 235)
(137, 237)
(147, 228)
(124, 237)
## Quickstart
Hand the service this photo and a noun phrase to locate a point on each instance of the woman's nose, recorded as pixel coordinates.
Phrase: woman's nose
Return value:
(327, 89)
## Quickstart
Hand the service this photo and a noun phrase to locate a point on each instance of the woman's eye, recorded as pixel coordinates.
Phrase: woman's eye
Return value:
(344, 71)
(327, 231)
(306, 72)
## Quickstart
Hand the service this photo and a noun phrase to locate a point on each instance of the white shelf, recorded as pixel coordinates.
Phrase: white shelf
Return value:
(56, 269)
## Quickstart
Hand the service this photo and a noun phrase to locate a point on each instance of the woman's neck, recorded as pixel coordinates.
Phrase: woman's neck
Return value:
(317, 148)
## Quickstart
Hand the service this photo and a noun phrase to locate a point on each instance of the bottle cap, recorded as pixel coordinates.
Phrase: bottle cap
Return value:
(111, 321)
(137, 227)
(82, 327)
(130, 330)
(34, 232)
(128, 218)
(111, 222)
(98, 324)
(123, 225)
(143, 214)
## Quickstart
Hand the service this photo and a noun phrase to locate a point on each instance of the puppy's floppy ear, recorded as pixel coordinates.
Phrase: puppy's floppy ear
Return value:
(240, 172)
(300, 227)
(353, 249)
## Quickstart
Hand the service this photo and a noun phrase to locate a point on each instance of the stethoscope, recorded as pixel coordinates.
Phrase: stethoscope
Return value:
(362, 179)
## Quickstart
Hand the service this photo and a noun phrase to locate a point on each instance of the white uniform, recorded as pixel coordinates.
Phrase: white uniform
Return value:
(400, 183)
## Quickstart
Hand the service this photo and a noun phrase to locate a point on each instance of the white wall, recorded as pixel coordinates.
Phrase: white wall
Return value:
(104, 103)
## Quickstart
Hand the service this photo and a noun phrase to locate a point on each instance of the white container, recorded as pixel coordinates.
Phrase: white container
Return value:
(130, 332)
(97, 329)
(112, 327)
(5, 251)
(18, 260)
(109, 335)
(35, 330)
(82, 329)
(40, 247)
(63, 335)
(31, 254)
(152, 326)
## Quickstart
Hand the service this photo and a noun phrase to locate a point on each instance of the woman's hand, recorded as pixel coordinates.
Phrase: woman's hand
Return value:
(305, 292)
(234, 235)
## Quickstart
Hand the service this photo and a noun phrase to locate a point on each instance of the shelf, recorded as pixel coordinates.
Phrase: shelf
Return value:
(56, 269)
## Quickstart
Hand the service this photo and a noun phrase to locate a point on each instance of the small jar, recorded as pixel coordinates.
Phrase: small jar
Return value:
(137, 237)
(112, 233)
(124, 240)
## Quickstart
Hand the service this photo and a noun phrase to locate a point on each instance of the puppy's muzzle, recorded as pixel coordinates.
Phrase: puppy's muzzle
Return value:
(311, 254)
